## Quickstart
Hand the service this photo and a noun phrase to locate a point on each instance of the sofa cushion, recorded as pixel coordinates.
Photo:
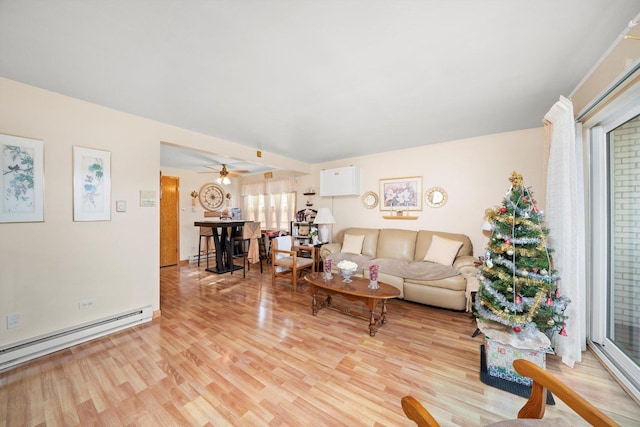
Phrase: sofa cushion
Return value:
(370, 244)
(442, 251)
(397, 243)
(454, 283)
(352, 244)
(410, 270)
(423, 242)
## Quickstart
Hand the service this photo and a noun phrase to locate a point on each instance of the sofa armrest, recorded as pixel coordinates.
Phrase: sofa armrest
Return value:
(466, 265)
(328, 249)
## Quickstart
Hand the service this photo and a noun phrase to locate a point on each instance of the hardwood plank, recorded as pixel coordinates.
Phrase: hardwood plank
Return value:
(228, 351)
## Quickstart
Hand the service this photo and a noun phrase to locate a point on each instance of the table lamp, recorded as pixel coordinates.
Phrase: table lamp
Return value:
(323, 218)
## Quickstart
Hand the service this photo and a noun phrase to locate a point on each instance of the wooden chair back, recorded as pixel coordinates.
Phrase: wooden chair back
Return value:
(534, 408)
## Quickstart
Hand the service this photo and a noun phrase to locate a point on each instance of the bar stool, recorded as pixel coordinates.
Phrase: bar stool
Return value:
(249, 246)
(207, 233)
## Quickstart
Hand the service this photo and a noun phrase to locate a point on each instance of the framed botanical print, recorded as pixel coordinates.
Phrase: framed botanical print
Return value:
(22, 179)
(91, 184)
(401, 194)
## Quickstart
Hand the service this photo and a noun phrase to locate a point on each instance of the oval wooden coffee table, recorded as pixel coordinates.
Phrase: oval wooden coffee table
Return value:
(357, 290)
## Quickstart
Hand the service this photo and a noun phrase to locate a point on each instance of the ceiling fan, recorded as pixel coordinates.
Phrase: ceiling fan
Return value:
(225, 173)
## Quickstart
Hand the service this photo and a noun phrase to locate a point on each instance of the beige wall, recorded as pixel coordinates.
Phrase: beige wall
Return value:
(475, 173)
(47, 268)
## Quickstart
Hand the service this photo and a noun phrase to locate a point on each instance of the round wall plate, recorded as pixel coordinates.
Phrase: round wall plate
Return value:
(369, 200)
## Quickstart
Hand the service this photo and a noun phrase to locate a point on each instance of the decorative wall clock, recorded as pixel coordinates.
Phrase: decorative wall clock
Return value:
(212, 196)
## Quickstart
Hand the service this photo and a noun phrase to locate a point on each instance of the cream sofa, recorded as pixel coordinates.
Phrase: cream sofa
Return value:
(400, 256)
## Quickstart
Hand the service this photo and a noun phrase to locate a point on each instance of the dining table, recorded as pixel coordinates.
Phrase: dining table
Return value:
(224, 230)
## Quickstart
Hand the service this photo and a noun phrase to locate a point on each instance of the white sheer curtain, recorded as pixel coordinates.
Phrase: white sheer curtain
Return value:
(270, 202)
(566, 223)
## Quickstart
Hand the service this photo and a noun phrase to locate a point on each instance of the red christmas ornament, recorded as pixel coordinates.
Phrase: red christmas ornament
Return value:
(549, 301)
(557, 293)
(563, 331)
(518, 299)
(517, 328)
(535, 208)
(508, 241)
(503, 209)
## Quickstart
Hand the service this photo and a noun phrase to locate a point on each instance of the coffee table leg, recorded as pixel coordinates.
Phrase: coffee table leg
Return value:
(372, 324)
(383, 315)
(314, 304)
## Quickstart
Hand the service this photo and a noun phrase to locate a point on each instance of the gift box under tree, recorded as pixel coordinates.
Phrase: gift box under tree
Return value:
(500, 359)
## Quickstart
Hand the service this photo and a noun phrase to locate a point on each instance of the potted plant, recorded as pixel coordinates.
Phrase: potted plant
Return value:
(314, 235)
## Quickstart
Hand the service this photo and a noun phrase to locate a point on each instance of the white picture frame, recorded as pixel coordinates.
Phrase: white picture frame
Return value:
(21, 179)
(91, 184)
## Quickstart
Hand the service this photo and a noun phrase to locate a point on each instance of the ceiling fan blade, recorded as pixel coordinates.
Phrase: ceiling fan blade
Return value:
(237, 172)
(225, 170)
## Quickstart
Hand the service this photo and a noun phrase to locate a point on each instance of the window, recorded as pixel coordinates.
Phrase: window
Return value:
(273, 211)
(271, 202)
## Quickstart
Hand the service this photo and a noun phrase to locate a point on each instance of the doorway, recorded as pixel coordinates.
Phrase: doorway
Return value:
(169, 220)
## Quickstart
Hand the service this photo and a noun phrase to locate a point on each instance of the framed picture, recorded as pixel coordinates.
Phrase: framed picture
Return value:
(91, 184)
(303, 230)
(404, 194)
(22, 179)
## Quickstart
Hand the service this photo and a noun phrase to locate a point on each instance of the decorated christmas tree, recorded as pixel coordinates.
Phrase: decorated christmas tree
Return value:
(518, 284)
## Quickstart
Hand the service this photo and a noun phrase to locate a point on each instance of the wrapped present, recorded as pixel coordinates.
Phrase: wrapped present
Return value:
(500, 359)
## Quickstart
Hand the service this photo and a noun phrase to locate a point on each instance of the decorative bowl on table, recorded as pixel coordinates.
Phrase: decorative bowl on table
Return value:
(347, 269)
(346, 274)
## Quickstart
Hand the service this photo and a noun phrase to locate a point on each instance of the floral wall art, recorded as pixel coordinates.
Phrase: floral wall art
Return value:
(21, 180)
(401, 194)
(91, 184)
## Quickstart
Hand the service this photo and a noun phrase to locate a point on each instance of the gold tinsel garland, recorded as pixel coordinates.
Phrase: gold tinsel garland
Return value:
(504, 247)
(521, 318)
(517, 280)
(510, 220)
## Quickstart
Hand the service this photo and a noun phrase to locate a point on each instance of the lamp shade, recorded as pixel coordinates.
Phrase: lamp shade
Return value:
(324, 217)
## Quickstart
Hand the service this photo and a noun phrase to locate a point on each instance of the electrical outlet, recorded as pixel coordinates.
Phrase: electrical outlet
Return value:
(13, 320)
(86, 303)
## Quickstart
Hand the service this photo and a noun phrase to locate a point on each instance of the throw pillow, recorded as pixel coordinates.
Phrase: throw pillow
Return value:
(442, 251)
(352, 244)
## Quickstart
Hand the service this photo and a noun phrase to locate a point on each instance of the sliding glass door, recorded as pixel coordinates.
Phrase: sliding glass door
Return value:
(615, 238)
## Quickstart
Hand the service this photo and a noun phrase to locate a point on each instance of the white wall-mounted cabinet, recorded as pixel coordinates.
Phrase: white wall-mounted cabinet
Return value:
(340, 181)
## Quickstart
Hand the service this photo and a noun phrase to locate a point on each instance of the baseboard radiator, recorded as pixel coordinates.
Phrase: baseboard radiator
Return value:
(15, 354)
(203, 257)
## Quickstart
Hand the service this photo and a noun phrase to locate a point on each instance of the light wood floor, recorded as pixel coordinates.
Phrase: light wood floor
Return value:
(228, 351)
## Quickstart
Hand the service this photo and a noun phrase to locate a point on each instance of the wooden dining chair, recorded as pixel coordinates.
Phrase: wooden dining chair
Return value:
(286, 260)
(534, 408)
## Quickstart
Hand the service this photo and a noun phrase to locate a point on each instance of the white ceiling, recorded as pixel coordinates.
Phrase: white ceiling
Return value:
(315, 80)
